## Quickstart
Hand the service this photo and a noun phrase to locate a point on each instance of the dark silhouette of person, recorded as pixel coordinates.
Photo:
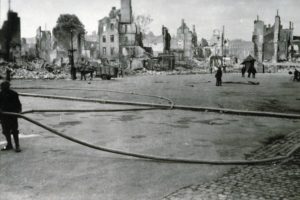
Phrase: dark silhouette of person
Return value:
(296, 75)
(219, 77)
(253, 72)
(8, 74)
(90, 69)
(243, 71)
(83, 69)
(249, 72)
(9, 102)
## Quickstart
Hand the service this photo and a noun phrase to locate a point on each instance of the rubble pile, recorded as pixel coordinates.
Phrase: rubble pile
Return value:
(34, 70)
(194, 63)
(39, 74)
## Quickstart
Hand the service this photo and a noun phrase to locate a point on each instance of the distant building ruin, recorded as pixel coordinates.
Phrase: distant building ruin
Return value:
(119, 36)
(184, 40)
(43, 44)
(272, 43)
(10, 37)
(216, 43)
(109, 35)
(126, 12)
(239, 49)
(91, 44)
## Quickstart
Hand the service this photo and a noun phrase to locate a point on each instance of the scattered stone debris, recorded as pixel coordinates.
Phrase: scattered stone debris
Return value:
(36, 69)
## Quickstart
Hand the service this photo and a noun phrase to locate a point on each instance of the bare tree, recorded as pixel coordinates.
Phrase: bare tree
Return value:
(143, 21)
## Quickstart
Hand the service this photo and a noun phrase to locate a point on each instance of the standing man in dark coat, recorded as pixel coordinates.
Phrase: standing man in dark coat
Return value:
(296, 75)
(253, 72)
(9, 102)
(243, 71)
(8, 74)
(219, 77)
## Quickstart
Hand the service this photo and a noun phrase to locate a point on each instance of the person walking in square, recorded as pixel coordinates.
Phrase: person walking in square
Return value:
(296, 75)
(9, 102)
(218, 76)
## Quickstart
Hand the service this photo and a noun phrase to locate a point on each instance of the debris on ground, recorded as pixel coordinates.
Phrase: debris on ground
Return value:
(36, 69)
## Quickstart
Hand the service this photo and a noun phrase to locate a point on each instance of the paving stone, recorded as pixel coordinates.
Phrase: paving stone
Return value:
(262, 182)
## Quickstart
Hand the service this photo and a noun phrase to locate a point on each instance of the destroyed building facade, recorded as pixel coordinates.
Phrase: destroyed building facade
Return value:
(184, 40)
(91, 49)
(216, 43)
(239, 49)
(109, 35)
(10, 37)
(118, 35)
(43, 44)
(272, 43)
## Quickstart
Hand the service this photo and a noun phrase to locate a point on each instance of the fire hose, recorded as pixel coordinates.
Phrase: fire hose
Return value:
(96, 90)
(156, 158)
(153, 107)
(172, 106)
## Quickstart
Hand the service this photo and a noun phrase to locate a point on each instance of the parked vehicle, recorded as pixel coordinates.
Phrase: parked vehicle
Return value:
(106, 72)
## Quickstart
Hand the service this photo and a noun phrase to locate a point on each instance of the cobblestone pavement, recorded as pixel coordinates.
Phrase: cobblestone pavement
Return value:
(270, 181)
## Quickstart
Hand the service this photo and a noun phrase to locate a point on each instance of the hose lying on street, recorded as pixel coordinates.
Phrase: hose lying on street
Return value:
(151, 107)
(98, 90)
(173, 106)
(242, 83)
(155, 158)
(88, 110)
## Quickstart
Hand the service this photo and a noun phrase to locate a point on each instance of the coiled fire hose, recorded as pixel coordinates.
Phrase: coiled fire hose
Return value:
(155, 158)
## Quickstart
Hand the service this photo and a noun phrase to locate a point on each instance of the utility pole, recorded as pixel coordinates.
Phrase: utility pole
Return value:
(222, 45)
(183, 31)
(71, 51)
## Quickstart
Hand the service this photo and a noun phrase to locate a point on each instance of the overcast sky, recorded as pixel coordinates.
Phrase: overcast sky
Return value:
(207, 15)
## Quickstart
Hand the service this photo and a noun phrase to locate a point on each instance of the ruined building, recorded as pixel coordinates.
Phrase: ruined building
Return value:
(118, 35)
(272, 43)
(49, 49)
(239, 49)
(43, 44)
(166, 40)
(109, 35)
(166, 59)
(91, 44)
(28, 50)
(195, 42)
(10, 37)
(216, 43)
(184, 40)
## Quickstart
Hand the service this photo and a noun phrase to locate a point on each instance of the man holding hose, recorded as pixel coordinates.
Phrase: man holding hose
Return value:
(9, 102)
